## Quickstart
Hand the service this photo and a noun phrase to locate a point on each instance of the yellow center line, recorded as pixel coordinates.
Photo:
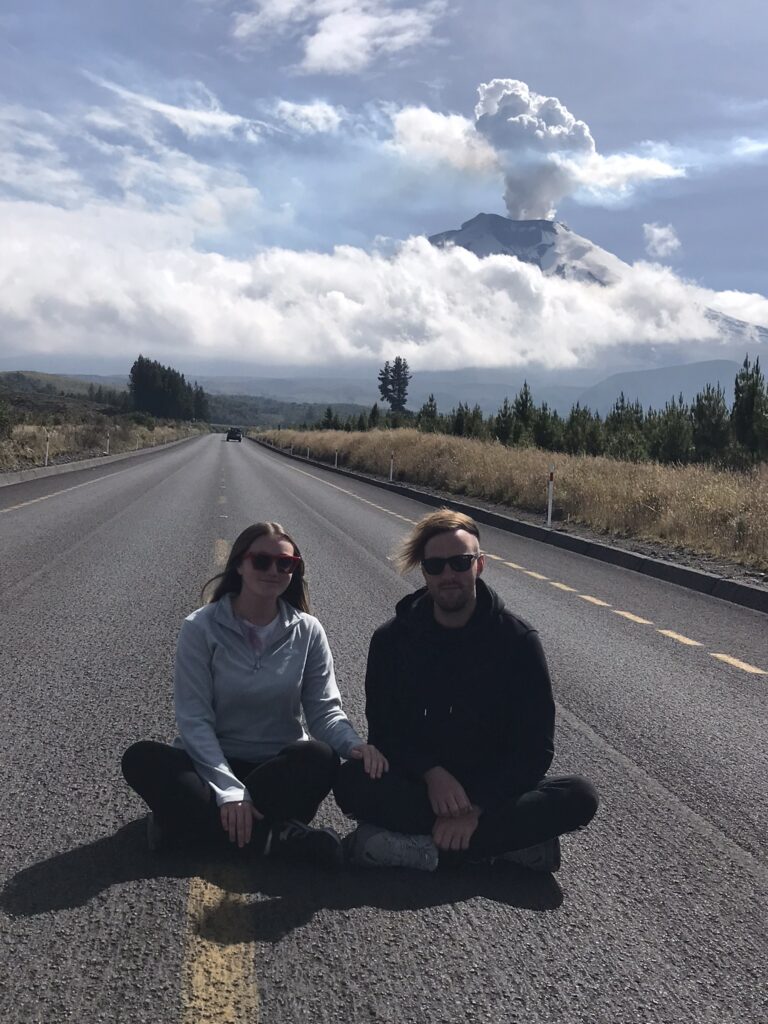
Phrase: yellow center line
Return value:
(743, 665)
(633, 618)
(218, 980)
(679, 637)
(496, 558)
(594, 600)
(562, 586)
(535, 575)
(514, 565)
(222, 499)
(218, 976)
(220, 553)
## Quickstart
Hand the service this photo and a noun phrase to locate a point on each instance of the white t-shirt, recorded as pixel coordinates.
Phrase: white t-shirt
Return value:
(258, 636)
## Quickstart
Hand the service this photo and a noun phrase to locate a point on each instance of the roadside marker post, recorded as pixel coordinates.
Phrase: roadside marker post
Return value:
(336, 459)
(307, 452)
(392, 467)
(107, 451)
(47, 443)
(550, 492)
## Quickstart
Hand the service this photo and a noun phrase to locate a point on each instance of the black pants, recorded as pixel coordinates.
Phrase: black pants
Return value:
(291, 785)
(558, 804)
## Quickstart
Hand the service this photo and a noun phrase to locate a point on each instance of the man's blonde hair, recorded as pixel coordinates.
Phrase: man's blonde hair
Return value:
(410, 551)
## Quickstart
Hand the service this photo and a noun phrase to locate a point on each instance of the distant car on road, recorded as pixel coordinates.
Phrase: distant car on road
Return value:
(234, 434)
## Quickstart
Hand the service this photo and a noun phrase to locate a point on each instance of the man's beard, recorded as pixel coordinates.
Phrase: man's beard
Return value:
(453, 599)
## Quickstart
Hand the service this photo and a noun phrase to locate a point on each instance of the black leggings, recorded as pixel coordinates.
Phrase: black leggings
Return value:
(291, 785)
(558, 804)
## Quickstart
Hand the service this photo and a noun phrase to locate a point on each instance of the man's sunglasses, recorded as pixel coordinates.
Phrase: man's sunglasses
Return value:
(459, 563)
(262, 563)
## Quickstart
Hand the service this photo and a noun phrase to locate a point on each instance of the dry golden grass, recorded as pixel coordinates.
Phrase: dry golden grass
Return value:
(711, 511)
(26, 446)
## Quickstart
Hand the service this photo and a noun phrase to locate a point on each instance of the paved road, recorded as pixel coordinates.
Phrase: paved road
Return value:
(659, 911)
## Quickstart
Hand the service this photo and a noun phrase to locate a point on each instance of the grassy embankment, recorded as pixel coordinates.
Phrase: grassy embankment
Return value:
(710, 511)
(25, 448)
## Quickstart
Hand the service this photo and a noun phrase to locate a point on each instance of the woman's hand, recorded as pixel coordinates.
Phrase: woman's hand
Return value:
(237, 819)
(374, 762)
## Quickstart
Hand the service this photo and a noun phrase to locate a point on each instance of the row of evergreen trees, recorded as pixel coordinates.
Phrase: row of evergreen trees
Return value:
(706, 430)
(164, 392)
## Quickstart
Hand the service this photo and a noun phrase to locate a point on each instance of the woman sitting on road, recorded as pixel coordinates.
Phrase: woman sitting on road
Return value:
(247, 664)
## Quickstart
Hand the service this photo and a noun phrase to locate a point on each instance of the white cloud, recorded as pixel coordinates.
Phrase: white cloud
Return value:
(421, 134)
(341, 36)
(113, 279)
(32, 162)
(315, 118)
(203, 116)
(660, 240)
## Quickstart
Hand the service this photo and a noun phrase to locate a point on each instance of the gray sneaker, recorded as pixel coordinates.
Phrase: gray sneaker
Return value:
(373, 847)
(541, 857)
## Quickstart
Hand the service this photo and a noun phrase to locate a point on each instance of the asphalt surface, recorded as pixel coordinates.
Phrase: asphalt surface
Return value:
(658, 913)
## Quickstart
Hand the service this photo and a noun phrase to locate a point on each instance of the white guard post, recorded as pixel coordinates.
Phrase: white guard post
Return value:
(550, 492)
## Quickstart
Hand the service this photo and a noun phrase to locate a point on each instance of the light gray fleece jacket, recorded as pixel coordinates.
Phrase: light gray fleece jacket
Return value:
(232, 702)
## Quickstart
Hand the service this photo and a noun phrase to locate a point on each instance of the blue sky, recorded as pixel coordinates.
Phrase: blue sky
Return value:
(206, 180)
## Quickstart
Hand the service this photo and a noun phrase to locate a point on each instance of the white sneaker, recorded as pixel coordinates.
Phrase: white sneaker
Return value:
(373, 847)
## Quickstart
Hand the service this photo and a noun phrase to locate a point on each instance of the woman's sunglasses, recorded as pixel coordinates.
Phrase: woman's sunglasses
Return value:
(263, 563)
(459, 563)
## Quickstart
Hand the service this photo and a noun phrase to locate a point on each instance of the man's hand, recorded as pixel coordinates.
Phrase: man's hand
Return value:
(446, 793)
(374, 762)
(237, 819)
(455, 833)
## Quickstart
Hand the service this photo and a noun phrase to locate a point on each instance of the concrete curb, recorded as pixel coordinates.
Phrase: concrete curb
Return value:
(692, 579)
(19, 476)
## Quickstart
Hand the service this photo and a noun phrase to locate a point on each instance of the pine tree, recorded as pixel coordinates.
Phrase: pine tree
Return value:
(547, 428)
(373, 416)
(523, 409)
(749, 416)
(459, 420)
(624, 437)
(426, 418)
(669, 433)
(576, 430)
(400, 379)
(327, 422)
(503, 422)
(385, 383)
(711, 425)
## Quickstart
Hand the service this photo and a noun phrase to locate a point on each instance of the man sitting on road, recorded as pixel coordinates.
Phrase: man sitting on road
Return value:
(458, 698)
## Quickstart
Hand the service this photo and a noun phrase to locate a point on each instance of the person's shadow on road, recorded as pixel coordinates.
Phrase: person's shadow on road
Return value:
(262, 900)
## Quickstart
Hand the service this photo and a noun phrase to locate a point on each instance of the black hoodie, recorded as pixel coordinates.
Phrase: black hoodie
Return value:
(476, 700)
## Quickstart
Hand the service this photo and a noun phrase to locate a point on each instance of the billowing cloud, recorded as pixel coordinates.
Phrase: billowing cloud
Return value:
(113, 282)
(660, 240)
(547, 153)
(315, 118)
(340, 36)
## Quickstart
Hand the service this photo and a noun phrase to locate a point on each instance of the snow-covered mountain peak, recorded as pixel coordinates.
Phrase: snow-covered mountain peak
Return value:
(548, 244)
(557, 251)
